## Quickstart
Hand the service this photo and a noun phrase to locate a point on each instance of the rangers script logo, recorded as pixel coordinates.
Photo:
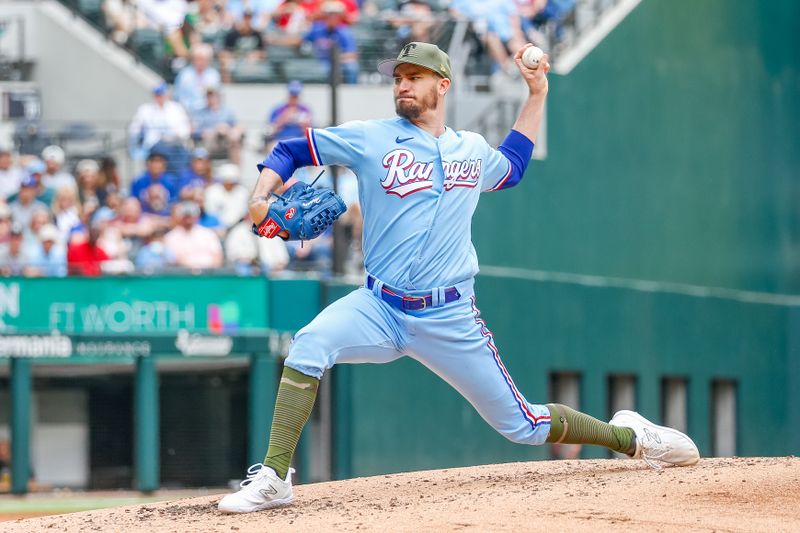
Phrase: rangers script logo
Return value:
(405, 175)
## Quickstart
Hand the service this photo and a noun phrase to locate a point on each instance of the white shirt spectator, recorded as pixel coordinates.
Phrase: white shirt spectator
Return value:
(193, 80)
(54, 176)
(10, 174)
(160, 121)
(242, 247)
(227, 200)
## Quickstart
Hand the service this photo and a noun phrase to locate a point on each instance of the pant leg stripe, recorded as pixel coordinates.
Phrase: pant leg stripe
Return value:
(521, 403)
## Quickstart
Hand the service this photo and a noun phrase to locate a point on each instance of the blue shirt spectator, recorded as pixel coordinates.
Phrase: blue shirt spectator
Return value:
(50, 257)
(155, 188)
(332, 29)
(198, 173)
(290, 119)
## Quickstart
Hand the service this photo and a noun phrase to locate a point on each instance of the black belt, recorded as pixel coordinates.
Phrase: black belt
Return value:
(412, 303)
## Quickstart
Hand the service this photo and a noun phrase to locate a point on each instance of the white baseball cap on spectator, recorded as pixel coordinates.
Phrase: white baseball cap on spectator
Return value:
(332, 7)
(48, 232)
(229, 173)
(87, 165)
(187, 209)
(53, 153)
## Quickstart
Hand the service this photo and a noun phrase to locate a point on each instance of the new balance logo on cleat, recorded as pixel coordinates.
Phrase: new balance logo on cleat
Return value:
(269, 491)
(652, 436)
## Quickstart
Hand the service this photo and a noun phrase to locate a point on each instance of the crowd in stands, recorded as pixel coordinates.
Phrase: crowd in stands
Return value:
(182, 213)
(243, 34)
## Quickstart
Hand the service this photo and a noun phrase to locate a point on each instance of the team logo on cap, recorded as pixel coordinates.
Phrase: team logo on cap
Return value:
(407, 49)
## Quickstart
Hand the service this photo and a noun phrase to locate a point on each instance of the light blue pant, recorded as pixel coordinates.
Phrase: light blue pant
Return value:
(450, 340)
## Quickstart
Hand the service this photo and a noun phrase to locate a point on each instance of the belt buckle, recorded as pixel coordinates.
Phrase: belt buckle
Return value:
(414, 298)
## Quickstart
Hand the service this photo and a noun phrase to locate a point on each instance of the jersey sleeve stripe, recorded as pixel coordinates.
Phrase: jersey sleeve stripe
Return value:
(312, 147)
(499, 185)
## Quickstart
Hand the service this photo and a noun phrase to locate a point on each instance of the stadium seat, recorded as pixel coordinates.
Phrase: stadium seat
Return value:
(250, 72)
(306, 69)
(148, 45)
(93, 11)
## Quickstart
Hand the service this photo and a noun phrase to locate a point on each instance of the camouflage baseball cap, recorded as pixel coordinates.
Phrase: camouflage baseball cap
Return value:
(425, 55)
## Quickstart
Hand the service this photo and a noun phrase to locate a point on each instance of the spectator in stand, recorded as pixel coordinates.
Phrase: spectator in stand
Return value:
(10, 174)
(108, 175)
(260, 11)
(112, 242)
(215, 125)
(51, 256)
(206, 219)
(413, 20)
(193, 80)
(243, 44)
(35, 170)
(14, 257)
(39, 219)
(5, 223)
(292, 18)
(198, 174)
(155, 188)
(159, 121)
(250, 255)
(332, 28)
(66, 210)
(134, 225)
(55, 176)
(122, 19)
(167, 16)
(192, 245)
(26, 203)
(84, 254)
(316, 254)
(227, 200)
(153, 255)
(497, 24)
(290, 119)
(543, 12)
(210, 20)
(89, 189)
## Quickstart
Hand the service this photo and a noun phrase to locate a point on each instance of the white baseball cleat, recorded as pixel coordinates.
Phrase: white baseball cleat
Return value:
(657, 444)
(262, 489)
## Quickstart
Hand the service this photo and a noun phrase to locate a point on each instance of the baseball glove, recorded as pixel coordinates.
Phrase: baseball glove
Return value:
(304, 212)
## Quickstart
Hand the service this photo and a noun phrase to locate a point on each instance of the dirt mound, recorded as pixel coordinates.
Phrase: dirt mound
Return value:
(741, 494)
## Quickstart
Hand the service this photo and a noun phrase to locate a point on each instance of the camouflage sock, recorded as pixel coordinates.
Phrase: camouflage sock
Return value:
(296, 395)
(569, 426)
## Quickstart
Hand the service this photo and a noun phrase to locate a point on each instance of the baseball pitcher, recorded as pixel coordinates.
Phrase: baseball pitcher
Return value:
(419, 183)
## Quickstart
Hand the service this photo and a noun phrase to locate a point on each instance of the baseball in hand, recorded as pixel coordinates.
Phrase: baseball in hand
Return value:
(531, 57)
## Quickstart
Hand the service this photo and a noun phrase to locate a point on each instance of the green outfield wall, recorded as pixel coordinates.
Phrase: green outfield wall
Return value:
(672, 154)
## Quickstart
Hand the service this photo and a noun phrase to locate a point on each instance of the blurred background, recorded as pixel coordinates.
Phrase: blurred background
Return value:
(649, 260)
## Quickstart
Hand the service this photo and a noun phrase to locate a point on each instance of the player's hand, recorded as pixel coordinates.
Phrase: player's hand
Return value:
(536, 79)
(258, 209)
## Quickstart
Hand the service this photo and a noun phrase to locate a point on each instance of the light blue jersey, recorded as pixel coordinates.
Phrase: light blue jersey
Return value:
(417, 193)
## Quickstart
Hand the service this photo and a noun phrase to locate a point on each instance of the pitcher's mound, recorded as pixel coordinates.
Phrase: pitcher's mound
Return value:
(741, 494)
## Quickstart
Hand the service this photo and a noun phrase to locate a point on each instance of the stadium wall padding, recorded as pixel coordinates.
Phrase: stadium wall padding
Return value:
(672, 154)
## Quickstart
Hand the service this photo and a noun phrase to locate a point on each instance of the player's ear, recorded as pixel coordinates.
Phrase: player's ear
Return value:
(444, 86)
